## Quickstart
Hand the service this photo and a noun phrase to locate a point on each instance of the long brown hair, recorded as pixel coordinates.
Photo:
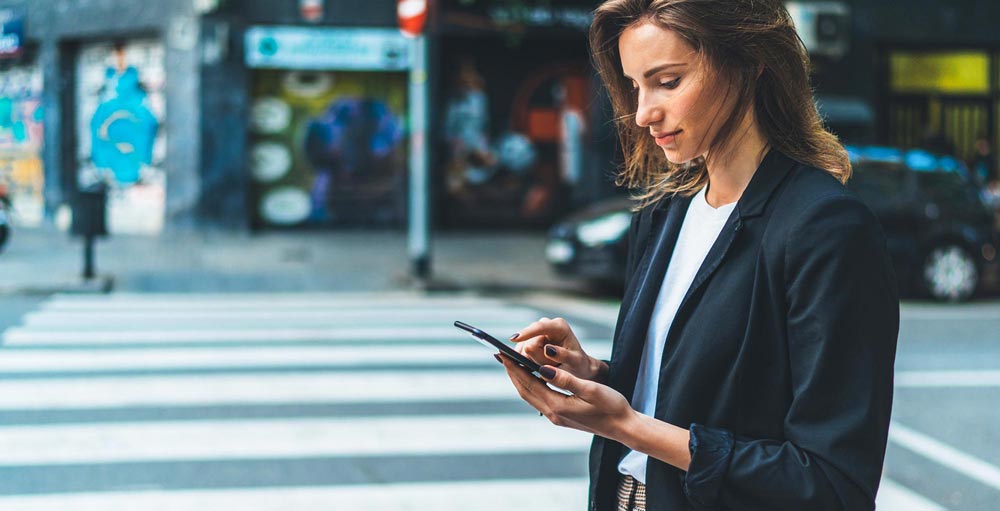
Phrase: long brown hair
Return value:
(752, 46)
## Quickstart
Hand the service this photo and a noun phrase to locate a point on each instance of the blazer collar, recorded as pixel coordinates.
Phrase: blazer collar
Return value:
(765, 180)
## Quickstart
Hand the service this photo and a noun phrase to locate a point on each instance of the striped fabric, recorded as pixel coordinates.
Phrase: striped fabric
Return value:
(631, 495)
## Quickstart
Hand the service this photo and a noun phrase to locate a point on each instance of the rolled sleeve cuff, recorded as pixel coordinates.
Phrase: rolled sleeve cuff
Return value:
(711, 450)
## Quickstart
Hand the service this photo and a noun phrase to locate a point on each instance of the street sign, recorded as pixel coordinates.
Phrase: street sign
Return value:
(316, 48)
(412, 15)
(311, 10)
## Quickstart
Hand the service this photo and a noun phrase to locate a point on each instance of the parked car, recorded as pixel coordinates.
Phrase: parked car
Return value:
(941, 235)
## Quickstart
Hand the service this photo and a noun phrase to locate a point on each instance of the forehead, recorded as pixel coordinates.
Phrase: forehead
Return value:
(645, 45)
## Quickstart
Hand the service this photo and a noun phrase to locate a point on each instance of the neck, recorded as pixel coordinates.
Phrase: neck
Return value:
(730, 171)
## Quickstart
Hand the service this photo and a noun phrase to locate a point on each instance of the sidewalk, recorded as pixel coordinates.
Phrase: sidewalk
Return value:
(44, 260)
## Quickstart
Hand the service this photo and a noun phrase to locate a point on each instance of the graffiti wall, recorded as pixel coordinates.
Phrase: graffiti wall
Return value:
(21, 139)
(120, 109)
(328, 148)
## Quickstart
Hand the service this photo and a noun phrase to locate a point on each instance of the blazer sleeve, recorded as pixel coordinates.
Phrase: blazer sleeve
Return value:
(842, 325)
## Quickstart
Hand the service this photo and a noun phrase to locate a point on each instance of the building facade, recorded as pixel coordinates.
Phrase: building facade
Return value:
(254, 114)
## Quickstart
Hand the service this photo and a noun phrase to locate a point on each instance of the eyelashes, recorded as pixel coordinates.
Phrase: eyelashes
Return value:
(671, 85)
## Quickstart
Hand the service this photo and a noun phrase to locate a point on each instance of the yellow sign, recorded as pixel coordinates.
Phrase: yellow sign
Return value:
(961, 72)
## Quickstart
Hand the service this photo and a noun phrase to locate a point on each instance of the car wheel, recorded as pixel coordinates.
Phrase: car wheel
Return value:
(950, 273)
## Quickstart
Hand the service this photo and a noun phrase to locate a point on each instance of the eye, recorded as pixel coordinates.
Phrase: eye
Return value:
(672, 84)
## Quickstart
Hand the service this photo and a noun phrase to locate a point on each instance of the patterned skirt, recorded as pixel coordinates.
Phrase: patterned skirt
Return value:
(631, 494)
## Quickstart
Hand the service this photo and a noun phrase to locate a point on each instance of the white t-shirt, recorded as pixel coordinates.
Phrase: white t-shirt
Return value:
(702, 225)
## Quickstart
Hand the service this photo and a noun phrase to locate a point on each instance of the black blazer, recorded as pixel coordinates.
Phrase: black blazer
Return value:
(780, 358)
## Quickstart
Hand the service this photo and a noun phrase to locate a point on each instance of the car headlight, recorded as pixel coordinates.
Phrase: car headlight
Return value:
(604, 229)
(559, 251)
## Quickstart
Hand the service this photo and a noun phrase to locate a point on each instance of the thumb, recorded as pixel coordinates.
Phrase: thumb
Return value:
(565, 380)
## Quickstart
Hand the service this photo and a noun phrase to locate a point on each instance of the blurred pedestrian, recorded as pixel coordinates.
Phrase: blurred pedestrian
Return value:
(984, 163)
(752, 365)
(466, 130)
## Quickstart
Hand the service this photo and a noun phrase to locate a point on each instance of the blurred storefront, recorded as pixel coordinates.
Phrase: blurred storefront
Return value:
(520, 115)
(238, 114)
(327, 123)
(21, 115)
(897, 74)
(86, 101)
(241, 114)
(950, 95)
(314, 113)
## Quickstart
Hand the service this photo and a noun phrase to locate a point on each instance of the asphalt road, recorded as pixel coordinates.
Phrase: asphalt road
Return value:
(192, 401)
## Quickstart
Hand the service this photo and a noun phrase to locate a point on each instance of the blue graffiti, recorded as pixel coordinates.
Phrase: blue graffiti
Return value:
(13, 124)
(123, 129)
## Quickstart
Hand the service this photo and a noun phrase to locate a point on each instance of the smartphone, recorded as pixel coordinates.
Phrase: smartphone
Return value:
(491, 342)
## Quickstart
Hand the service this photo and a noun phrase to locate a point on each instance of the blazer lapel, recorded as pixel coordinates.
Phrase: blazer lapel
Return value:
(714, 257)
(769, 174)
(665, 224)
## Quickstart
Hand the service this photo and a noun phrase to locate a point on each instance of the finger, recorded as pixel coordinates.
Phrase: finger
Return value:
(523, 344)
(560, 355)
(543, 326)
(527, 385)
(534, 349)
(579, 387)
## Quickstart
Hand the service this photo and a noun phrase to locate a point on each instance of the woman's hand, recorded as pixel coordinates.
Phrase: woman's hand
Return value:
(593, 407)
(552, 342)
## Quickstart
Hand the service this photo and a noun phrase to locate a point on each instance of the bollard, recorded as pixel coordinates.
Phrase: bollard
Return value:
(90, 221)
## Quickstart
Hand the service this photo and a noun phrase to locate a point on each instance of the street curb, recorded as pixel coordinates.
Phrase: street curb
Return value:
(102, 284)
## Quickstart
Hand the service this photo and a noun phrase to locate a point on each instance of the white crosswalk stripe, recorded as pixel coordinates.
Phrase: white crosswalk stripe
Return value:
(282, 401)
(133, 354)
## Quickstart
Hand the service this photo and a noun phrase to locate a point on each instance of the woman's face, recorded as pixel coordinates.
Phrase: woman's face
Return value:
(677, 99)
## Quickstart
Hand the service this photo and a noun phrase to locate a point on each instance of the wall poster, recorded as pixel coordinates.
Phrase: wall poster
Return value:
(120, 108)
(328, 148)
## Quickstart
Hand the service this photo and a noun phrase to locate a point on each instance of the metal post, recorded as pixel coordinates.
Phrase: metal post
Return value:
(88, 257)
(419, 217)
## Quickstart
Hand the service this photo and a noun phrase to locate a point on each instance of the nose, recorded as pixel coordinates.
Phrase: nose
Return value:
(647, 112)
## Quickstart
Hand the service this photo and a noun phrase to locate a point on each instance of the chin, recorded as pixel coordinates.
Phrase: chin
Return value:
(676, 156)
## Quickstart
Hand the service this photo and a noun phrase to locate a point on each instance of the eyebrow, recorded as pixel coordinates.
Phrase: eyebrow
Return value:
(652, 71)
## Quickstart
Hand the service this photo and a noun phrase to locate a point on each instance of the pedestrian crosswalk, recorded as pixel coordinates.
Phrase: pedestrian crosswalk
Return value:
(285, 402)
(294, 401)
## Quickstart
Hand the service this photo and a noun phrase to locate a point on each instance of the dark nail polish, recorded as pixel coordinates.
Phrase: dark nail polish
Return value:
(497, 356)
(547, 372)
(515, 336)
(549, 350)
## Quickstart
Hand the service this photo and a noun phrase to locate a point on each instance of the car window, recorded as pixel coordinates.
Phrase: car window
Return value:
(946, 187)
(881, 185)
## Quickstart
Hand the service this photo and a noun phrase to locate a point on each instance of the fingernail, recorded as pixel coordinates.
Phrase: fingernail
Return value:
(549, 350)
(497, 356)
(547, 372)
(515, 336)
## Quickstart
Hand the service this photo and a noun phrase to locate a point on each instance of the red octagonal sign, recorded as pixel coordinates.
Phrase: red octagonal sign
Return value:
(412, 16)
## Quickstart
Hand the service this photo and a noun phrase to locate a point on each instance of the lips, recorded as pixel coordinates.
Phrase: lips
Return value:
(666, 138)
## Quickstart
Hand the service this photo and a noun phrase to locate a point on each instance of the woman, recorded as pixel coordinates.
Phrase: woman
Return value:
(752, 361)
